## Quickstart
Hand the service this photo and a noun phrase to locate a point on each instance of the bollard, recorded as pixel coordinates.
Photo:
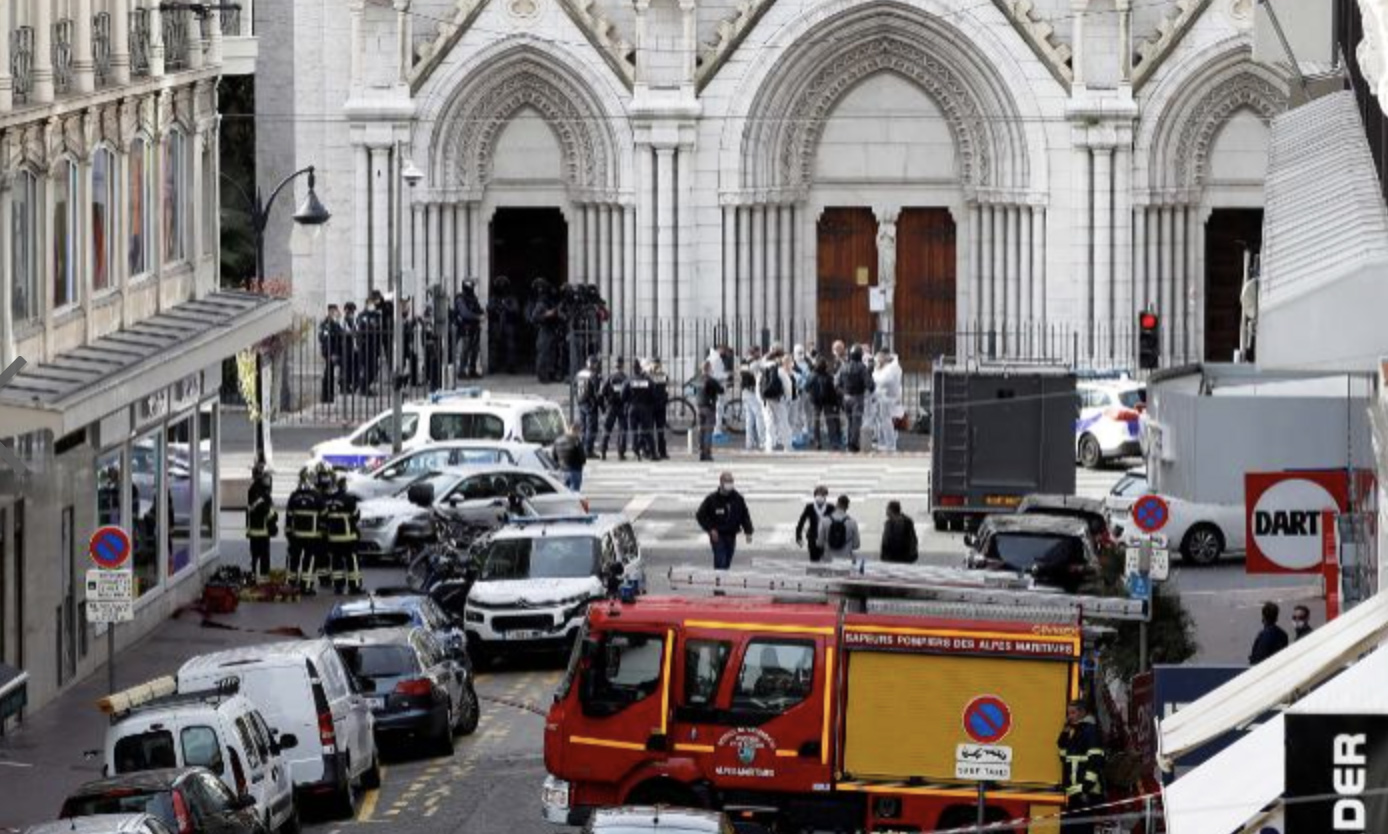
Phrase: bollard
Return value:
(689, 441)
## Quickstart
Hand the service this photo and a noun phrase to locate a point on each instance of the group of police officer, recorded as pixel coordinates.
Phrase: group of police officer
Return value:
(634, 406)
(323, 528)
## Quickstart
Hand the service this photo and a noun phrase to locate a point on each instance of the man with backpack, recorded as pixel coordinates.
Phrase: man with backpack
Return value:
(838, 534)
(855, 383)
(774, 388)
(899, 542)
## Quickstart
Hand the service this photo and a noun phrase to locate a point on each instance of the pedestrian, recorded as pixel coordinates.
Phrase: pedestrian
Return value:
(722, 515)
(754, 429)
(854, 384)
(899, 542)
(615, 409)
(838, 356)
(1301, 622)
(1271, 639)
(409, 350)
(660, 401)
(801, 411)
(467, 320)
(350, 379)
(369, 332)
(588, 394)
(325, 483)
(886, 381)
(823, 395)
(811, 518)
(262, 522)
(774, 388)
(708, 395)
(571, 457)
(304, 535)
(639, 397)
(433, 368)
(838, 535)
(719, 372)
(330, 346)
(1082, 761)
(343, 528)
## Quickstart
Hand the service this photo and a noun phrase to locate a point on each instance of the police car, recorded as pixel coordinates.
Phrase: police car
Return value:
(1110, 420)
(394, 474)
(464, 414)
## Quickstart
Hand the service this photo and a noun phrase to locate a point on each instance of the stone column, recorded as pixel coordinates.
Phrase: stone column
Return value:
(1102, 309)
(1124, 310)
(975, 273)
(1077, 11)
(42, 91)
(1179, 285)
(433, 245)
(1125, 40)
(1025, 314)
(477, 240)
(7, 344)
(1152, 291)
(593, 243)
(156, 40)
(120, 44)
(757, 245)
(629, 271)
(771, 275)
(1139, 262)
(603, 278)
(1039, 240)
(1202, 219)
(785, 306)
(686, 270)
(418, 261)
(214, 40)
(665, 233)
(1011, 294)
(462, 233)
(728, 290)
(402, 41)
(361, 224)
(448, 231)
(1168, 306)
(6, 99)
(997, 273)
(644, 279)
(744, 276)
(83, 67)
(1193, 346)
(380, 219)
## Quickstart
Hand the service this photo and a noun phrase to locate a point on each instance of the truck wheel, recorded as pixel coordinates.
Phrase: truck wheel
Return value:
(1091, 454)
(1202, 545)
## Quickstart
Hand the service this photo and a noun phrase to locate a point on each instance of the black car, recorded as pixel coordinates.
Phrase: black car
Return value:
(397, 608)
(1088, 510)
(190, 800)
(414, 687)
(1055, 551)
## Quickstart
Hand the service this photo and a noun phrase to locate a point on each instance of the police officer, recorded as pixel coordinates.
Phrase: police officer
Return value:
(1082, 767)
(588, 385)
(302, 530)
(433, 369)
(615, 406)
(330, 345)
(661, 400)
(503, 325)
(467, 318)
(549, 325)
(262, 522)
(639, 396)
(343, 532)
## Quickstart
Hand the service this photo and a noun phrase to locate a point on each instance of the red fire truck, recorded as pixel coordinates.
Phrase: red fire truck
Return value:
(851, 713)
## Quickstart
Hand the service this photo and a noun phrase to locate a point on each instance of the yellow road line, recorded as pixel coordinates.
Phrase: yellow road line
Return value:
(368, 801)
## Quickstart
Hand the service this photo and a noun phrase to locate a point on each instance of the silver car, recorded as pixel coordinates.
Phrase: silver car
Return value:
(393, 475)
(140, 823)
(475, 493)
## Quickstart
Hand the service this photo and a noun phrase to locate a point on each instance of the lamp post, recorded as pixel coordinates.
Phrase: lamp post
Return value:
(410, 175)
(311, 213)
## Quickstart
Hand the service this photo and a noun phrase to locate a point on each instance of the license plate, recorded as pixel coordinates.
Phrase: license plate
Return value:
(376, 703)
(524, 634)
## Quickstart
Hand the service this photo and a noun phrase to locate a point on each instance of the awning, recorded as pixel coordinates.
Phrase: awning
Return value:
(83, 385)
(1231, 789)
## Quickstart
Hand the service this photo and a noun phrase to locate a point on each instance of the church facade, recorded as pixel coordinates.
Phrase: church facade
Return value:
(995, 175)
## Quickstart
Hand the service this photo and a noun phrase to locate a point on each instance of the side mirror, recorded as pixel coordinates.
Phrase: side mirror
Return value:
(288, 741)
(366, 685)
(970, 540)
(421, 495)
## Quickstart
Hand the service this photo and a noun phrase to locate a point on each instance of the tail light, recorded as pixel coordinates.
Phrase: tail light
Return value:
(415, 687)
(1123, 415)
(327, 734)
(238, 773)
(181, 814)
(584, 503)
(951, 501)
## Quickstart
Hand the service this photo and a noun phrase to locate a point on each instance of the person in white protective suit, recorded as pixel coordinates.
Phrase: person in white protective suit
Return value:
(886, 379)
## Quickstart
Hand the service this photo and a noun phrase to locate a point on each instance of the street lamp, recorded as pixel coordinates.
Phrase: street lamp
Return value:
(311, 213)
(411, 176)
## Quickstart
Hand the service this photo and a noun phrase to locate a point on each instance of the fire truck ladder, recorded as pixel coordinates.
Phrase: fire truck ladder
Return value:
(914, 590)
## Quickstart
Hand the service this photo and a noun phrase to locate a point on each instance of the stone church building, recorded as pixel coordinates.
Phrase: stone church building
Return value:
(1020, 168)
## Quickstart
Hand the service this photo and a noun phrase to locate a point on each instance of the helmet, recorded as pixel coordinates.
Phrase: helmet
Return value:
(258, 471)
(305, 476)
(539, 285)
(342, 482)
(594, 362)
(324, 477)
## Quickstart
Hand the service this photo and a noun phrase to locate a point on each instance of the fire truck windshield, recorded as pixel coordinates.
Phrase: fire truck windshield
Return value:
(555, 557)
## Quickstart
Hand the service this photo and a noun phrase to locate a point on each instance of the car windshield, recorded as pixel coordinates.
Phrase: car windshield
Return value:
(1134, 398)
(145, 751)
(551, 557)
(1094, 521)
(380, 665)
(542, 427)
(123, 801)
(363, 622)
(1130, 487)
(1022, 552)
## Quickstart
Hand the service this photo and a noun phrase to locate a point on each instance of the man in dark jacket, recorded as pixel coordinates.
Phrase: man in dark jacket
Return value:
(854, 383)
(660, 401)
(467, 320)
(899, 543)
(810, 518)
(824, 399)
(1082, 767)
(707, 396)
(569, 454)
(615, 407)
(1301, 621)
(330, 345)
(639, 396)
(503, 326)
(261, 520)
(350, 378)
(722, 515)
(304, 534)
(588, 393)
(1272, 639)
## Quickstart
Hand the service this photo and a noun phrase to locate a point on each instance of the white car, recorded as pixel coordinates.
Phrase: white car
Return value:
(465, 414)
(394, 474)
(474, 493)
(537, 577)
(1109, 424)
(1201, 532)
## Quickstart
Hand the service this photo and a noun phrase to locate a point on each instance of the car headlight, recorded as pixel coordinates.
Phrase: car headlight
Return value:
(374, 522)
(473, 616)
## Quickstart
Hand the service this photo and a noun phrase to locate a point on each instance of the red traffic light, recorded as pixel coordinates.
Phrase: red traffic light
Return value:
(1147, 321)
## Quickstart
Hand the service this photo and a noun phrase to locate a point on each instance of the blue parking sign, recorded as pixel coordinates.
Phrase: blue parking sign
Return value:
(1139, 587)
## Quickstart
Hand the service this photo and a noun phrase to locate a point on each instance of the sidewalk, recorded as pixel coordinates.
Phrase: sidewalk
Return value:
(42, 761)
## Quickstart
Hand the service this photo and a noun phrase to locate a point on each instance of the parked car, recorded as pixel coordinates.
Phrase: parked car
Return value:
(1109, 424)
(474, 494)
(219, 729)
(303, 688)
(394, 474)
(1055, 551)
(392, 609)
(536, 578)
(188, 800)
(1089, 510)
(1201, 533)
(464, 414)
(138, 823)
(653, 820)
(415, 689)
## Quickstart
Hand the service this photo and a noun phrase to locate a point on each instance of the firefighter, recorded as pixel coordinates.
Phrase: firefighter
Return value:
(661, 401)
(615, 406)
(343, 532)
(304, 535)
(588, 384)
(326, 483)
(261, 521)
(1082, 765)
(639, 396)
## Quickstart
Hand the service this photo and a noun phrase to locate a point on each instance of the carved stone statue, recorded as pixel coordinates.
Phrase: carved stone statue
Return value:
(886, 256)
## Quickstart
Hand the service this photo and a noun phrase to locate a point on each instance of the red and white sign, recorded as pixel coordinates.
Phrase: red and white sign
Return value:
(1290, 518)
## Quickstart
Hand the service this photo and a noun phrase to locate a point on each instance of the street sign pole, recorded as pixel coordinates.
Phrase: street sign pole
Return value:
(982, 805)
(110, 589)
(111, 658)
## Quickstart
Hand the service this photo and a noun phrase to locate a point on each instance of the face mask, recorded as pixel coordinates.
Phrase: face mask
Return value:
(725, 487)
(819, 501)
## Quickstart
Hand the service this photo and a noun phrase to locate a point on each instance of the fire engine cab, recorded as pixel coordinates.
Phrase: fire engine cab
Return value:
(917, 711)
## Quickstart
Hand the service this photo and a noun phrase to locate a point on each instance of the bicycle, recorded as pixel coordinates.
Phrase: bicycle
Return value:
(681, 415)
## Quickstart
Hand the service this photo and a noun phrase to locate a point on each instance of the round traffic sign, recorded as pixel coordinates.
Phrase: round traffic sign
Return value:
(110, 548)
(1150, 513)
(987, 719)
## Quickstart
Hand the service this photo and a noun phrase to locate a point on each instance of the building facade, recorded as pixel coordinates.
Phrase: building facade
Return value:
(109, 279)
(907, 166)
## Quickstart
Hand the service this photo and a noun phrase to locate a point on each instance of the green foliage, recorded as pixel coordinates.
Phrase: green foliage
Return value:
(236, 101)
(1170, 634)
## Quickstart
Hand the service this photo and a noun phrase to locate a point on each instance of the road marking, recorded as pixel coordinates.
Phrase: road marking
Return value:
(15, 764)
(638, 505)
(368, 802)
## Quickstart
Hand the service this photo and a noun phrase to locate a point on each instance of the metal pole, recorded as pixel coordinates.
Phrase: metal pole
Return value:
(1142, 645)
(111, 658)
(982, 805)
(258, 218)
(397, 329)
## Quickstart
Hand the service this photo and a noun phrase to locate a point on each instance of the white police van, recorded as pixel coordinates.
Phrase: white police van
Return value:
(1109, 424)
(463, 414)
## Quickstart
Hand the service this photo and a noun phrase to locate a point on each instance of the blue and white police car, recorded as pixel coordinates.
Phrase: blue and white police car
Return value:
(1109, 425)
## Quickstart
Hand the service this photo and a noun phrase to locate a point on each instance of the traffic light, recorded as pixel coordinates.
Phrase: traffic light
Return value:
(1148, 340)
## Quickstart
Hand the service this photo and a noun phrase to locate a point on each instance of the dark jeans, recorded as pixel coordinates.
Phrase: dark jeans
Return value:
(707, 416)
(573, 479)
(469, 347)
(260, 557)
(329, 389)
(588, 419)
(617, 418)
(828, 416)
(853, 409)
(723, 550)
(816, 552)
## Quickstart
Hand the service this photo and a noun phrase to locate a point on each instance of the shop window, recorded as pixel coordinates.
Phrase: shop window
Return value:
(181, 472)
(140, 190)
(175, 195)
(64, 234)
(24, 236)
(103, 219)
(109, 470)
(208, 464)
(146, 484)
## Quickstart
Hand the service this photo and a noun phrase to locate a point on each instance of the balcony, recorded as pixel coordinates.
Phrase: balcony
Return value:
(239, 46)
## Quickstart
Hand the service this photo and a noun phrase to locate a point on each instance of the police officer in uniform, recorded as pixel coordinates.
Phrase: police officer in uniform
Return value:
(343, 532)
(615, 406)
(261, 521)
(661, 400)
(503, 323)
(639, 396)
(588, 385)
(330, 345)
(467, 318)
(549, 326)
(302, 531)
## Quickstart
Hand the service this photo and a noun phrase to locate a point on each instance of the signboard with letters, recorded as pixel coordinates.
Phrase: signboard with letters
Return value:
(1336, 769)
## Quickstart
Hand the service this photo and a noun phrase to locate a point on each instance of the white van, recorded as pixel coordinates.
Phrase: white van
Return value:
(154, 726)
(303, 688)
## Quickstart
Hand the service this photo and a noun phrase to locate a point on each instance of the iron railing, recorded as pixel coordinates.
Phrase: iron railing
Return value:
(101, 48)
(22, 63)
(63, 32)
(175, 23)
(139, 43)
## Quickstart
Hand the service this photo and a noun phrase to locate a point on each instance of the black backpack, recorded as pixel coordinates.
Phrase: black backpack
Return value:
(771, 385)
(838, 533)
